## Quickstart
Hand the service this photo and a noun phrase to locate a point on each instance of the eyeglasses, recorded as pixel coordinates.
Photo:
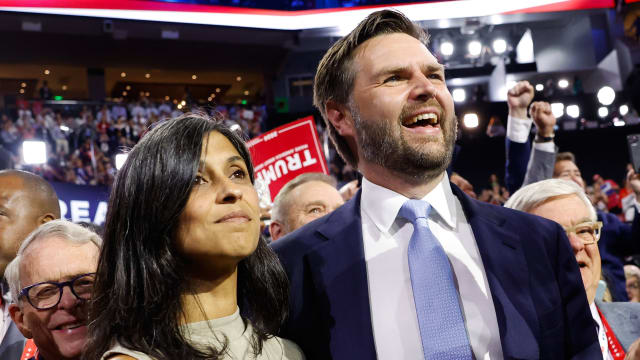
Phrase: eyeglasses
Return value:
(46, 295)
(588, 232)
(634, 285)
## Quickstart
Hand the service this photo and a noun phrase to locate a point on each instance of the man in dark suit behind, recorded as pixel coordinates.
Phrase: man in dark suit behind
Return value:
(357, 289)
(26, 202)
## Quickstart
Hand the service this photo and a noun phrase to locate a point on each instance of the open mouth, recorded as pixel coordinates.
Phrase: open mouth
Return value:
(422, 120)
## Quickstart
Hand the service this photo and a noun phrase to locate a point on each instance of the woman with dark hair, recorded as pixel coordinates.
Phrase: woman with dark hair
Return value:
(183, 273)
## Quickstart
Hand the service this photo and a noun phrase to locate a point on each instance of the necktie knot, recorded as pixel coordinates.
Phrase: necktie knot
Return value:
(415, 209)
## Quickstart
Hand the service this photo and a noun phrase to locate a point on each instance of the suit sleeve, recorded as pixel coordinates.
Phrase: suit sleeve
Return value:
(540, 166)
(517, 157)
(580, 332)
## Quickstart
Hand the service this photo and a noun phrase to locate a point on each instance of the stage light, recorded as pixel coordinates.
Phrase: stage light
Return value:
(470, 120)
(624, 110)
(573, 111)
(209, 98)
(124, 93)
(238, 78)
(246, 92)
(120, 160)
(606, 95)
(194, 76)
(618, 122)
(128, 87)
(446, 48)
(499, 46)
(539, 87)
(166, 98)
(217, 90)
(147, 75)
(34, 152)
(24, 85)
(557, 109)
(474, 48)
(183, 103)
(21, 91)
(563, 83)
(603, 112)
(47, 71)
(123, 74)
(64, 87)
(147, 94)
(179, 106)
(459, 95)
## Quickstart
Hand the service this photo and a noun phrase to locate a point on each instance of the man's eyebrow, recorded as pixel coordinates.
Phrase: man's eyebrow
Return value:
(427, 69)
(431, 68)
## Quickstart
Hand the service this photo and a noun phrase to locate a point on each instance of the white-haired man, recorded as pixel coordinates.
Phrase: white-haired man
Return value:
(51, 280)
(566, 203)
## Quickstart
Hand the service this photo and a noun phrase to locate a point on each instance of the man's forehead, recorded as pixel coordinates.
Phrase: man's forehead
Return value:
(378, 46)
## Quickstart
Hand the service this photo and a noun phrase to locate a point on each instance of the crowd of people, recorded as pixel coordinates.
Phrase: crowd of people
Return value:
(408, 265)
(82, 141)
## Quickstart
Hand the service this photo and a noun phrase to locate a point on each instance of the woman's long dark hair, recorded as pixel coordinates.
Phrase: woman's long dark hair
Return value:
(140, 274)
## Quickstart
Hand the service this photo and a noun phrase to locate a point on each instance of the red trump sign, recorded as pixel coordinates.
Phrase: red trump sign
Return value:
(286, 152)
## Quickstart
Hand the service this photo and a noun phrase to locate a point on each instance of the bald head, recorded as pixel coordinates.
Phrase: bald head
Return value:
(26, 202)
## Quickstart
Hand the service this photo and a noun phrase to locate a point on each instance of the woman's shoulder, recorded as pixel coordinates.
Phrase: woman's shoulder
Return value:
(279, 348)
(119, 352)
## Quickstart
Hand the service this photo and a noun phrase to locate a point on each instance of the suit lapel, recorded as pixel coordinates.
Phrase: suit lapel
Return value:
(340, 280)
(507, 275)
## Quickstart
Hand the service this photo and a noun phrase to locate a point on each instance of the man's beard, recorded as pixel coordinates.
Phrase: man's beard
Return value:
(383, 144)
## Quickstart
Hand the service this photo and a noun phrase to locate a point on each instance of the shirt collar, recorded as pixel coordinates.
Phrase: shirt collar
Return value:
(382, 205)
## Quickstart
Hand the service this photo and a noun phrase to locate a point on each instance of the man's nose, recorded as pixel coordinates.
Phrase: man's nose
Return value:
(68, 300)
(576, 243)
(423, 89)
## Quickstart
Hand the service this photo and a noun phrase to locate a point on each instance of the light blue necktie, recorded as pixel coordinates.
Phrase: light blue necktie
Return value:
(439, 315)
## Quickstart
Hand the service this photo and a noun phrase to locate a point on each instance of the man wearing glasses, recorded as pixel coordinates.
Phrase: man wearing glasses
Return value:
(565, 202)
(51, 280)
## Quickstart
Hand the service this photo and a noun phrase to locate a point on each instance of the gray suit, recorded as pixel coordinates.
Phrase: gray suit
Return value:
(624, 320)
(13, 342)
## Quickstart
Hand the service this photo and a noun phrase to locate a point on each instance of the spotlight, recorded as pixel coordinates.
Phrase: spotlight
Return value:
(183, 103)
(147, 75)
(624, 110)
(64, 87)
(470, 120)
(606, 95)
(24, 85)
(209, 98)
(123, 74)
(238, 78)
(557, 109)
(120, 159)
(618, 122)
(459, 95)
(47, 71)
(603, 112)
(539, 87)
(563, 83)
(475, 48)
(34, 152)
(446, 48)
(499, 46)
(246, 92)
(21, 91)
(194, 76)
(179, 106)
(573, 111)
(128, 87)
(217, 90)
(166, 98)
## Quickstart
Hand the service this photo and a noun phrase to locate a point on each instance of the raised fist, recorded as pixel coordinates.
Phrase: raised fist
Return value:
(518, 98)
(543, 118)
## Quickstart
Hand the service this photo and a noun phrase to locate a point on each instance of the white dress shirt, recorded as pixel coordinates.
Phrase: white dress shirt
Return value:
(386, 239)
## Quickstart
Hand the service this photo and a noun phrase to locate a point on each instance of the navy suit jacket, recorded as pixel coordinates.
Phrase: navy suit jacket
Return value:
(535, 283)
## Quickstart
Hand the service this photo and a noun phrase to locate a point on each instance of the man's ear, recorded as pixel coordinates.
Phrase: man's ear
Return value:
(340, 117)
(276, 230)
(17, 315)
(46, 218)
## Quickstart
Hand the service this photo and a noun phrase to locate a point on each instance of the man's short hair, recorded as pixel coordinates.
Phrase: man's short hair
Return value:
(533, 195)
(65, 229)
(44, 198)
(631, 270)
(563, 156)
(335, 75)
(281, 203)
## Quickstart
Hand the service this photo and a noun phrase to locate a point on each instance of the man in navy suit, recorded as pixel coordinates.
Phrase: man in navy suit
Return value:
(356, 287)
